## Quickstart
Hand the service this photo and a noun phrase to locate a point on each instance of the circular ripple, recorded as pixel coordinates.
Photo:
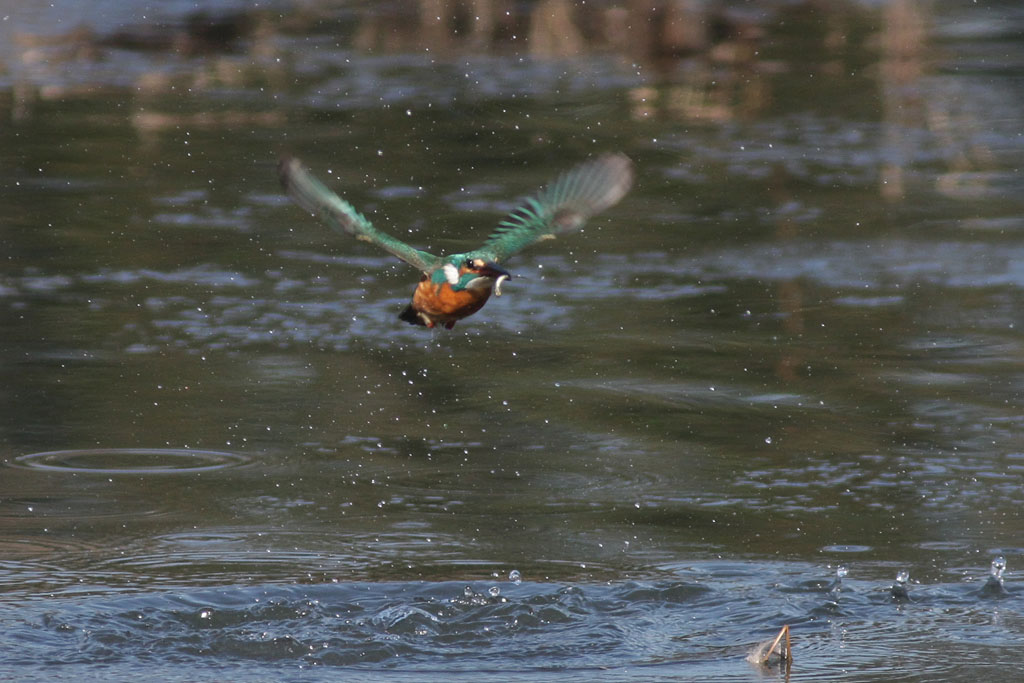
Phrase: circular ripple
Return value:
(846, 548)
(130, 461)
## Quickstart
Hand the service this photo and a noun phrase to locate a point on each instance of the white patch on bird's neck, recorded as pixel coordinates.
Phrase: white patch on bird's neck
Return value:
(451, 273)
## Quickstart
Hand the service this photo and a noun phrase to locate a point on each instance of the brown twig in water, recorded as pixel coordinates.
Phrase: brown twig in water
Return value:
(785, 654)
(772, 652)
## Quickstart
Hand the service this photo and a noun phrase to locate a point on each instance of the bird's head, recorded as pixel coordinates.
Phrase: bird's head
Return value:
(471, 272)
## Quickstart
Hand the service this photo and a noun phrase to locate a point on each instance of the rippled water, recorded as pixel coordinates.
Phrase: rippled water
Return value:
(793, 352)
(626, 630)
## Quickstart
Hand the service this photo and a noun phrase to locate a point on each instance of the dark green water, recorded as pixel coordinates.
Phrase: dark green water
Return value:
(795, 345)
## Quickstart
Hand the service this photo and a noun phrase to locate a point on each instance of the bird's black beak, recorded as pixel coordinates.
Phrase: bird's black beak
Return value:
(493, 270)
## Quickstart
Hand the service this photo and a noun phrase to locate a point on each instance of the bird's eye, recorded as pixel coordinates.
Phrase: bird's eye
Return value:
(471, 264)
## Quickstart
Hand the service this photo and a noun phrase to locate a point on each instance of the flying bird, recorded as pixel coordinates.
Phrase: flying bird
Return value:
(458, 285)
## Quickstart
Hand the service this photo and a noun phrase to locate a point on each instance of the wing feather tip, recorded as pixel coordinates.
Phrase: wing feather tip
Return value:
(287, 166)
(619, 170)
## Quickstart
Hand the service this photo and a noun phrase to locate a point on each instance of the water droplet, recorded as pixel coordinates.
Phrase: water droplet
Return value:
(768, 439)
(841, 572)
(494, 591)
(468, 591)
(515, 577)
(903, 576)
(206, 614)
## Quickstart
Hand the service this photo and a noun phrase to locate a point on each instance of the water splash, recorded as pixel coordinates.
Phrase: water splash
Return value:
(515, 577)
(994, 583)
(899, 589)
(998, 568)
(472, 598)
(837, 584)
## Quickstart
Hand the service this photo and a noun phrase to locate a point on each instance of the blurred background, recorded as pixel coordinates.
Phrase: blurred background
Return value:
(793, 349)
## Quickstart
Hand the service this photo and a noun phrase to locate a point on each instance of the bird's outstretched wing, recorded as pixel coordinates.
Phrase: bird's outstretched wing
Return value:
(313, 196)
(561, 207)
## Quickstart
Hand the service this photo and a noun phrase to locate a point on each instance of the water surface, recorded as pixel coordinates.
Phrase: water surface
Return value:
(795, 346)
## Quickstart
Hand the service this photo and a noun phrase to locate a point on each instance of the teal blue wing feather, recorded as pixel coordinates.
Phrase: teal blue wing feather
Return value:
(561, 207)
(316, 198)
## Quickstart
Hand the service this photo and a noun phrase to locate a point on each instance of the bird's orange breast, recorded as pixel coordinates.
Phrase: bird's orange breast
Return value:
(442, 304)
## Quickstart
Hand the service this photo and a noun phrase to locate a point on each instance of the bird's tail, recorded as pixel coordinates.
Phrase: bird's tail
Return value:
(410, 316)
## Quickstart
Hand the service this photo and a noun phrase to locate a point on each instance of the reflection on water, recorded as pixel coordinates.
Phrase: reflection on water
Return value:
(793, 352)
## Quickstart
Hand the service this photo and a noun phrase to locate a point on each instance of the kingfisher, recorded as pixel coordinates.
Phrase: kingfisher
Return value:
(455, 286)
